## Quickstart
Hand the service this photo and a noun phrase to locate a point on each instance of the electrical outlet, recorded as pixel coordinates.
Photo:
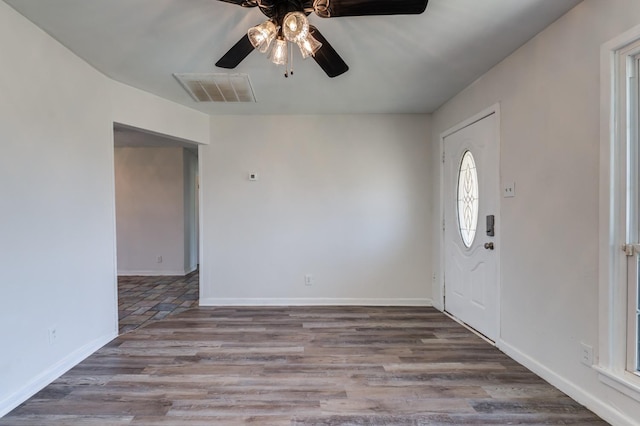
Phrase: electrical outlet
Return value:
(308, 279)
(509, 190)
(586, 354)
(159, 259)
(53, 335)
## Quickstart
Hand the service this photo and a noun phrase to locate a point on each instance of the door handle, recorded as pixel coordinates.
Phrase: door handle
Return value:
(488, 246)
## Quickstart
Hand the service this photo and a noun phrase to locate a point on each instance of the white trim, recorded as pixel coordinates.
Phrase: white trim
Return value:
(201, 222)
(612, 310)
(52, 373)
(320, 301)
(439, 298)
(622, 382)
(493, 109)
(148, 273)
(112, 188)
(605, 411)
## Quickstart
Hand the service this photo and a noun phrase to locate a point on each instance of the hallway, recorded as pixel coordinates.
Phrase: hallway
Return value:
(142, 300)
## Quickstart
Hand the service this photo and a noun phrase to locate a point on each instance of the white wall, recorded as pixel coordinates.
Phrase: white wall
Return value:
(136, 108)
(344, 198)
(57, 215)
(56, 208)
(150, 210)
(549, 96)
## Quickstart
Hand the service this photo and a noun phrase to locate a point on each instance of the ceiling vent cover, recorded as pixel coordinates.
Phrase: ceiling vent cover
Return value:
(218, 87)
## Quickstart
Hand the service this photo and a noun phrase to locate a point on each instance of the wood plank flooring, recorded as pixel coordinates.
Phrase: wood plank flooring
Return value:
(300, 366)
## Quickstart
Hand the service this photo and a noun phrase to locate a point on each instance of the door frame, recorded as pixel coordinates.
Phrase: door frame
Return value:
(198, 201)
(439, 298)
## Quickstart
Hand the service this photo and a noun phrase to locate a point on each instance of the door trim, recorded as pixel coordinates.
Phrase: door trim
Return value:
(438, 299)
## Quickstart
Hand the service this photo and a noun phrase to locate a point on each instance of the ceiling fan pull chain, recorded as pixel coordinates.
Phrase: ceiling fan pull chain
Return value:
(286, 65)
(291, 71)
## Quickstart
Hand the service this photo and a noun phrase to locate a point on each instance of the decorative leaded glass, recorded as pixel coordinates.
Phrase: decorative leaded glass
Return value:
(467, 199)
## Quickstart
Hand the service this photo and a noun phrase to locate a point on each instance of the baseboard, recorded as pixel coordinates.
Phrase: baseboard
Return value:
(152, 273)
(211, 301)
(606, 411)
(51, 374)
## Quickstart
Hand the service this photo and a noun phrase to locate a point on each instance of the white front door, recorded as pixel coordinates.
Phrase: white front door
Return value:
(471, 198)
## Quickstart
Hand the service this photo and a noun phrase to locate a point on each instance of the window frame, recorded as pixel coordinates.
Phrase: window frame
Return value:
(619, 168)
(629, 60)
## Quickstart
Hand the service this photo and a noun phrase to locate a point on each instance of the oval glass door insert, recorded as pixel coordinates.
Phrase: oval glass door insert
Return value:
(467, 199)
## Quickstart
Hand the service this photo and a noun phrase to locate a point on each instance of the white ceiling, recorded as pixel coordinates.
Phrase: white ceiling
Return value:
(398, 64)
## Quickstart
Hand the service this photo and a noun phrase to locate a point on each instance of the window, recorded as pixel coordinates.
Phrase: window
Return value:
(467, 199)
(632, 61)
(619, 348)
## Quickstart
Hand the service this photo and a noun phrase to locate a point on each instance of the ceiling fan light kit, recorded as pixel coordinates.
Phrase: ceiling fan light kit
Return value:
(295, 26)
(294, 29)
(262, 35)
(287, 23)
(309, 46)
(279, 52)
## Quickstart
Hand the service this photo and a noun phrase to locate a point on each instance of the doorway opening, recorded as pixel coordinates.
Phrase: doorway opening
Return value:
(157, 225)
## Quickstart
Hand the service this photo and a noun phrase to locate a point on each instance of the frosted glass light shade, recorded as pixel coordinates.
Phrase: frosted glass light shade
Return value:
(278, 54)
(295, 26)
(309, 46)
(262, 35)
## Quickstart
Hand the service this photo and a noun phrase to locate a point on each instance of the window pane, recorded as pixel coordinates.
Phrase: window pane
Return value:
(633, 363)
(467, 199)
(634, 173)
(637, 333)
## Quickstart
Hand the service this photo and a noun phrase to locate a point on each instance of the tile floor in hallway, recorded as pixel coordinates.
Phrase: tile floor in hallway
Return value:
(145, 299)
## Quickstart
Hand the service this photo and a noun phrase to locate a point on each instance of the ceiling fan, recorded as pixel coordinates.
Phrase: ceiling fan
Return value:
(287, 23)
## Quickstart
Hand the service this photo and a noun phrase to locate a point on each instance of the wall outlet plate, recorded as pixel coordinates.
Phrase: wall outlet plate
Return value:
(53, 335)
(509, 189)
(586, 354)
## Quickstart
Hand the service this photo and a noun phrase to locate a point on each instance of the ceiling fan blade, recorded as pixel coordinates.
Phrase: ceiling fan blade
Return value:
(236, 54)
(327, 57)
(243, 3)
(337, 8)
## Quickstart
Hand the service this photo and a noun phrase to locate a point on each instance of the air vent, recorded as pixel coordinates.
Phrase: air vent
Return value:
(219, 87)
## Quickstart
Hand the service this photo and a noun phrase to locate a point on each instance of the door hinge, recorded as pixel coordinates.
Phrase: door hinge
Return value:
(443, 157)
(443, 224)
(631, 249)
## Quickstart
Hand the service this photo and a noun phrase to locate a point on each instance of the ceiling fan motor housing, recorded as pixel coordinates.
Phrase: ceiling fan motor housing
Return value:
(277, 9)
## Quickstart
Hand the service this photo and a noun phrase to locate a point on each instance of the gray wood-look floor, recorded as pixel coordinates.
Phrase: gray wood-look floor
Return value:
(300, 365)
